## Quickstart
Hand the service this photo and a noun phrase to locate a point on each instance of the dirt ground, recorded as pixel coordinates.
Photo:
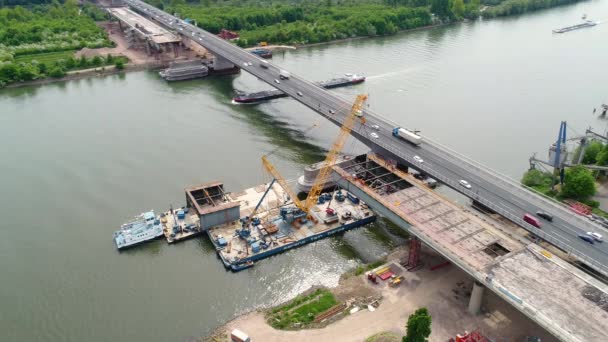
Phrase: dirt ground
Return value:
(444, 292)
(136, 56)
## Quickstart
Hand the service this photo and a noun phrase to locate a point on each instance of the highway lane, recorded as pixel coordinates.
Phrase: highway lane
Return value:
(500, 194)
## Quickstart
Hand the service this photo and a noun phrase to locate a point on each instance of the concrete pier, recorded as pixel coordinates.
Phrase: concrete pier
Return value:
(476, 298)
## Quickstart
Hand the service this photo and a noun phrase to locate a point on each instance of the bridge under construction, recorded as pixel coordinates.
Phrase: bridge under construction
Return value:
(560, 302)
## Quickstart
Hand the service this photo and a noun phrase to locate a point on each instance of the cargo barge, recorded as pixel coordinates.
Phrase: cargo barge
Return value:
(278, 225)
(587, 23)
(263, 53)
(261, 96)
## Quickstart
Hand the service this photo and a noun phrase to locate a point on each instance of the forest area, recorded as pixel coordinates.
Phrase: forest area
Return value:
(314, 21)
(39, 40)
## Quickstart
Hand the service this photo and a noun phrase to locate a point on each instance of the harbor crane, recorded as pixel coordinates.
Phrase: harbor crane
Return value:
(313, 195)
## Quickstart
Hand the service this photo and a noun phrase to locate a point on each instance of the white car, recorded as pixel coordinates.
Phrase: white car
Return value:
(277, 81)
(300, 93)
(596, 236)
(418, 159)
(331, 111)
(374, 135)
(376, 127)
(245, 64)
(465, 183)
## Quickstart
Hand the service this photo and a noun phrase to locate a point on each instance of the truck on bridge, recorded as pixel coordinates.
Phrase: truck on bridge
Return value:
(407, 135)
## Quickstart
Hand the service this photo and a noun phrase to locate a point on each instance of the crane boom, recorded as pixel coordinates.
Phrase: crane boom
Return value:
(275, 173)
(332, 155)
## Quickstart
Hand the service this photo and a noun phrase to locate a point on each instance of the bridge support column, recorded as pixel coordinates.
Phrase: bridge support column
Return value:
(476, 298)
(220, 64)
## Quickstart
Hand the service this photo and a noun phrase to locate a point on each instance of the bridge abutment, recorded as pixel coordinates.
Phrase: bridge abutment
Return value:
(476, 298)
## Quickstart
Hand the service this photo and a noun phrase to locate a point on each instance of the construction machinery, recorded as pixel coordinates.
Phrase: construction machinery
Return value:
(319, 183)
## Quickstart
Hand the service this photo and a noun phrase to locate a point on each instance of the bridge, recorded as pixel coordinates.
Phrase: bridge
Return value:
(488, 187)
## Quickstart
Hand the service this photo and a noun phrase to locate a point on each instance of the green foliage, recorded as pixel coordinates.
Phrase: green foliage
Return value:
(538, 180)
(441, 8)
(306, 23)
(119, 64)
(578, 183)
(366, 267)
(418, 326)
(591, 152)
(40, 41)
(602, 157)
(509, 7)
(458, 9)
(301, 310)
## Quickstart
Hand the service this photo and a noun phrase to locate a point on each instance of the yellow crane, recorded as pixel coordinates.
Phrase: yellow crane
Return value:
(332, 156)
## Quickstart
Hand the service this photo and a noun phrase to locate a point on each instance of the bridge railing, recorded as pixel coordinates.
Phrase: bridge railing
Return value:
(510, 215)
(510, 184)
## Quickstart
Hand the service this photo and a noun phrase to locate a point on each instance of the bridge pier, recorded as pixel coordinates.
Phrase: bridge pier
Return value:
(476, 298)
(222, 66)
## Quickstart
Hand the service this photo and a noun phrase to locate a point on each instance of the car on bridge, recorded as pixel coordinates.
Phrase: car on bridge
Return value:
(418, 159)
(586, 238)
(532, 220)
(596, 236)
(544, 215)
(374, 135)
(465, 183)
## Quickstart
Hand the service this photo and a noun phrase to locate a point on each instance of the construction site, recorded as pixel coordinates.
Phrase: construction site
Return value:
(348, 192)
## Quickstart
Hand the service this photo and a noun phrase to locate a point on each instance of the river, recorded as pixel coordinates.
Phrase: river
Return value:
(79, 158)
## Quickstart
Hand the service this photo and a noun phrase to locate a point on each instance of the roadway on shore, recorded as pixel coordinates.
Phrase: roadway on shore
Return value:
(502, 195)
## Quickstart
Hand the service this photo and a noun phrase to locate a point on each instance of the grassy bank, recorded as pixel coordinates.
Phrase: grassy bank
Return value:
(301, 311)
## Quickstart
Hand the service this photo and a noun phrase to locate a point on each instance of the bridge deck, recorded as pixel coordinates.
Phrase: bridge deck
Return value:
(155, 32)
(550, 291)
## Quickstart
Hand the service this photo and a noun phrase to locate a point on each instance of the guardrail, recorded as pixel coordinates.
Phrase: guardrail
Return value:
(564, 212)
(507, 213)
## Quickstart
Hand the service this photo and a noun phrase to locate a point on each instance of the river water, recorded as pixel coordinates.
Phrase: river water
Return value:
(79, 158)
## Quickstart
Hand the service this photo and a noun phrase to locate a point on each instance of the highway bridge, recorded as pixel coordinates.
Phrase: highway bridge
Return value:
(490, 188)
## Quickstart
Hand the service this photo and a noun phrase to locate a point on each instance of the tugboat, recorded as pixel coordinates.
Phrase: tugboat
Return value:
(144, 227)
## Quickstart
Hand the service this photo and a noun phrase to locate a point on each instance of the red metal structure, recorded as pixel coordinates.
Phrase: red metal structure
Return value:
(413, 259)
(473, 336)
(228, 35)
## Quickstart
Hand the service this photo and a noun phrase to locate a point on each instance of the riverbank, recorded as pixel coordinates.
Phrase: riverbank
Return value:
(86, 73)
(444, 292)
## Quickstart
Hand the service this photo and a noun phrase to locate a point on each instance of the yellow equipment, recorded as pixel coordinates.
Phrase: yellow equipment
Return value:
(275, 173)
(332, 156)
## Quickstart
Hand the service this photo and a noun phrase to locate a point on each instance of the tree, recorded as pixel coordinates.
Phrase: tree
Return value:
(97, 61)
(602, 158)
(591, 152)
(56, 71)
(534, 177)
(109, 59)
(418, 326)
(458, 8)
(119, 64)
(441, 8)
(578, 183)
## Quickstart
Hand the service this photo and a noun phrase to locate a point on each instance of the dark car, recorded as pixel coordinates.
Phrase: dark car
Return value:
(544, 215)
(586, 238)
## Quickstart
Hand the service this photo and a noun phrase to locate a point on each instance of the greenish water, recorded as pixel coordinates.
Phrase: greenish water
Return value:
(80, 158)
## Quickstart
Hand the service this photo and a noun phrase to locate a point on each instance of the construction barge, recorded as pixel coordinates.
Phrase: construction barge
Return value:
(241, 240)
(261, 96)
(587, 23)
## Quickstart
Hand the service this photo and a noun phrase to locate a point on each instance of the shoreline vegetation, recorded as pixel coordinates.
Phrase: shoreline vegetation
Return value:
(38, 39)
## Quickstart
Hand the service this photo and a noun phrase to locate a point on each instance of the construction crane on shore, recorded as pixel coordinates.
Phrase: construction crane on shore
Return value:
(332, 156)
